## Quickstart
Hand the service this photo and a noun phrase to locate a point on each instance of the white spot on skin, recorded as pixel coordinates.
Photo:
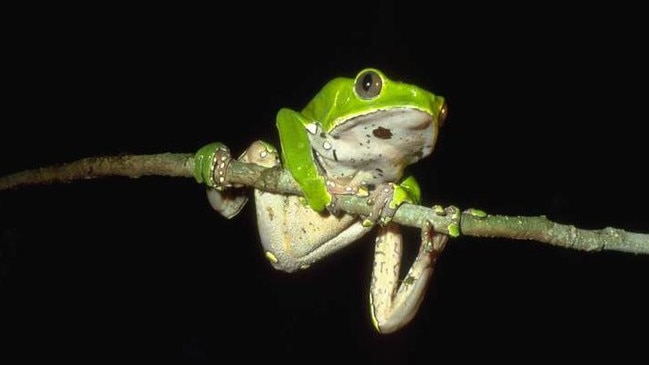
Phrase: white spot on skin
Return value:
(326, 145)
(222, 165)
(312, 128)
(263, 154)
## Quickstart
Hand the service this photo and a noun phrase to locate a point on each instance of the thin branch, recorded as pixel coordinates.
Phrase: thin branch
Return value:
(133, 166)
(278, 180)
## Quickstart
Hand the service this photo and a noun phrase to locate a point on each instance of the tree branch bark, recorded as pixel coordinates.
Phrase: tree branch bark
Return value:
(278, 180)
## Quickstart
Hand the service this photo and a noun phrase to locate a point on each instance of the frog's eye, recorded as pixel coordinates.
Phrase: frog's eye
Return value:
(368, 85)
(443, 112)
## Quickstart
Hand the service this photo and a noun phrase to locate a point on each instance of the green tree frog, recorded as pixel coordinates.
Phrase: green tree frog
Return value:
(356, 136)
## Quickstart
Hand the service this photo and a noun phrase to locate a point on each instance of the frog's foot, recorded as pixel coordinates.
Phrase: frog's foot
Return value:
(210, 165)
(432, 244)
(334, 189)
(394, 302)
(262, 154)
(384, 202)
(228, 202)
(212, 162)
(454, 214)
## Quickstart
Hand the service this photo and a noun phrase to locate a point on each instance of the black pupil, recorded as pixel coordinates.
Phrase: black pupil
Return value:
(367, 82)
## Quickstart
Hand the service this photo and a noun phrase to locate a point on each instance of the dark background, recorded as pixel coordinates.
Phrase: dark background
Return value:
(547, 116)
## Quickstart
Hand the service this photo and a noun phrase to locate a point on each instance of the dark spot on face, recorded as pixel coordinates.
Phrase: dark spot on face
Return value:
(379, 170)
(335, 136)
(335, 156)
(371, 187)
(382, 133)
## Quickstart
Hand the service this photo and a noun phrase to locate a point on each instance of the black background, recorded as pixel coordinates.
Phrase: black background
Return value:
(547, 116)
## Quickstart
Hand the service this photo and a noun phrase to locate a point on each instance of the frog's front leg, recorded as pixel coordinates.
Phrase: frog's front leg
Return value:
(393, 305)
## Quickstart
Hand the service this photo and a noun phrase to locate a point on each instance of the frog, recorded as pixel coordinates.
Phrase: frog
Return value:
(355, 137)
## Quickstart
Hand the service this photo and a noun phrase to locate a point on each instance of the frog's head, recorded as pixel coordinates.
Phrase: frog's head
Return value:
(344, 99)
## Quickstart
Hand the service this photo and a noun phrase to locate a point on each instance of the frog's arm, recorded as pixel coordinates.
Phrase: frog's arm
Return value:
(408, 191)
(298, 158)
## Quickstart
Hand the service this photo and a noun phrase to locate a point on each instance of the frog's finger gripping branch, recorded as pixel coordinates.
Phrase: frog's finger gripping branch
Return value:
(455, 214)
(384, 201)
(211, 163)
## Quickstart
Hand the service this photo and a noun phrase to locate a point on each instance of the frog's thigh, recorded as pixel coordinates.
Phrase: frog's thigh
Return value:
(294, 236)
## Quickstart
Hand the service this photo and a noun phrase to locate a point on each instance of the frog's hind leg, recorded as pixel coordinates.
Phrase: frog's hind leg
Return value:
(229, 199)
(294, 236)
(393, 305)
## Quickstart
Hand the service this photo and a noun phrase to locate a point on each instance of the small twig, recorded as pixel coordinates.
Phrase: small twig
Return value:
(278, 180)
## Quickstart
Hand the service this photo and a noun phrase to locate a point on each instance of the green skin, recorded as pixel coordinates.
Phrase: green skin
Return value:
(355, 137)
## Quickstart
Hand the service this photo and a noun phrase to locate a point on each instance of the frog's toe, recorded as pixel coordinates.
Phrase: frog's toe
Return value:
(383, 205)
(432, 243)
(454, 214)
(227, 202)
(262, 154)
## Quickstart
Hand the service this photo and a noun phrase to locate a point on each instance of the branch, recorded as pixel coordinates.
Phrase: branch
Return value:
(278, 180)
(133, 166)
